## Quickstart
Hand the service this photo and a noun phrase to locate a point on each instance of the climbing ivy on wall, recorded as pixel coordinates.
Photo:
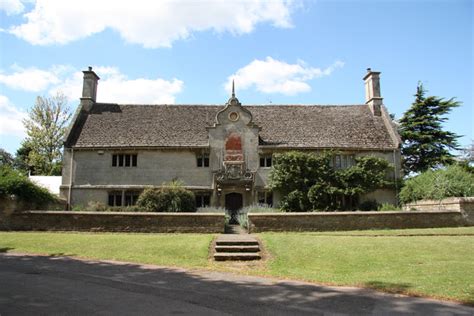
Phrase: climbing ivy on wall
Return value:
(309, 181)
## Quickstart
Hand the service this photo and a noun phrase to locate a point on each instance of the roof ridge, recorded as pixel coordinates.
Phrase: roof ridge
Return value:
(222, 105)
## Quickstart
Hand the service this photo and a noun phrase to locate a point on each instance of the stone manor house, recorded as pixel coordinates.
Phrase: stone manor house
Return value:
(223, 153)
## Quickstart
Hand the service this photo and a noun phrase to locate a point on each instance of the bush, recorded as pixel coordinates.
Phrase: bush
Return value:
(259, 208)
(370, 205)
(438, 184)
(309, 182)
(211, 209)
(14, 183)
(171, 198)
(389, 207)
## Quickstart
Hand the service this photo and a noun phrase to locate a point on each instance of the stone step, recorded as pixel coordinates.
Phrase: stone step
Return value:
(238, 248)
(236, 256)
(236, 242)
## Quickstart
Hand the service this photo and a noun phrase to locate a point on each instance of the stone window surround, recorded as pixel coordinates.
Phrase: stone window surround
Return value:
(127, 160)
(122, 198)
(265, 197)
(265, 160)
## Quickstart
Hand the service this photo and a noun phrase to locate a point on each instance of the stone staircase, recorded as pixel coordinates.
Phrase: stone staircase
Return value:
(236, 247)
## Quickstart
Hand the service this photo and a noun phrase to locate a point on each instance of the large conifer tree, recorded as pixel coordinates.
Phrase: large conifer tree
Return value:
(425, 143)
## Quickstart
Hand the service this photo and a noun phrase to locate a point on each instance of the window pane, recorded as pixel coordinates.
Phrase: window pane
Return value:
(118, 200)
(262, 162)
(199, 161)
(269, 161)
(270, 198)
(198, 201)
(206, 161)
(114, 160)
(207, 200)
(128, 200)
(261, 197)
(120, 162)
(338, 162)
(134, 160)
(111, 200)
(127, 160)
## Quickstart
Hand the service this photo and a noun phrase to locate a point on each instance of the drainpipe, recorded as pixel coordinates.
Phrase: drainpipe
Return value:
(395, 178)
(70, 180)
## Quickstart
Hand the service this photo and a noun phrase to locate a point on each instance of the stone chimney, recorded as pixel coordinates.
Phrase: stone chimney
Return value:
(372, 91)
(89, 89)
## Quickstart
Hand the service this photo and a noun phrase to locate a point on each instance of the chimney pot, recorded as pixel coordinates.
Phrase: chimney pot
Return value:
(372, 91)
(89, 89)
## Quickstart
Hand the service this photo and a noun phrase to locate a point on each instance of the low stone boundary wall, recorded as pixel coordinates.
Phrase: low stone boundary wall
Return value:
(114, 222)
(355, 220)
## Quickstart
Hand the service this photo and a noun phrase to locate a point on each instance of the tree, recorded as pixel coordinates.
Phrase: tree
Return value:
(438, 184)
(6, 159)
(425, 144)
(45, 127)
(21, 158)
(309, 182)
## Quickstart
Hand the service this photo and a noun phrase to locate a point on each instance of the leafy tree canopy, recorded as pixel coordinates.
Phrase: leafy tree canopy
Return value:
(6, 159)
(425, 144)
(309, 182)
(14, 183)
(45, 126)
(438, 184)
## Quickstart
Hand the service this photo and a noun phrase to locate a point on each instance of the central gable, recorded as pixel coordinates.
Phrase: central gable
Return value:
(234, 136)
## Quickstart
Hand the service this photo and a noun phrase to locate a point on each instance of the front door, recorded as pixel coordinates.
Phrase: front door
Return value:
(233, 203)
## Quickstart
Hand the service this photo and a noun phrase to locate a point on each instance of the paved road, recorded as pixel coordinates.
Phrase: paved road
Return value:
(39, 285)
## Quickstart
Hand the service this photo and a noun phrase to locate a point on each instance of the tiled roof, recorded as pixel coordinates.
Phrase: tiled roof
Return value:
(288, 126)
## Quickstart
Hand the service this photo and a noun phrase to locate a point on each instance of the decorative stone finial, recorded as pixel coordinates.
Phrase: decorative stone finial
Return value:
(90, 68)
(233, 89)
(369, 70)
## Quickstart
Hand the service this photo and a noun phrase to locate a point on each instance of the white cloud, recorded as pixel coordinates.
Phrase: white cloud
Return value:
(275, 76)
(11, 7)
(117, 87)
(31, 79)
(11, 119)
(150, 23)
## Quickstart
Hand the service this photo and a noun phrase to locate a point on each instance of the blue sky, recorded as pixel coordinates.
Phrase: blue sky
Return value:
(279, 52)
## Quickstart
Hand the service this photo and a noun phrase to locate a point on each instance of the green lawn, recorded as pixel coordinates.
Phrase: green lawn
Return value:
(440, 266)
(428, 262)
(184, 250)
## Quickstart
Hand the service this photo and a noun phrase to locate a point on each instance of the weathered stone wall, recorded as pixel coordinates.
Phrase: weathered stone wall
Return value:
(114, 222)
(9, 205)
(464, 205)
(355, 221)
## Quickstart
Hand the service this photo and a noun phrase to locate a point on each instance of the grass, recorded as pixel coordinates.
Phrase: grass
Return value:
(185, 250)
(397, 261)
(427, 262)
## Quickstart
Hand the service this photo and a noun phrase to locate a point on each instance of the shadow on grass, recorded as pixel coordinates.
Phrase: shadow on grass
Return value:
(5, 249)
(395, 288)
(126, 288)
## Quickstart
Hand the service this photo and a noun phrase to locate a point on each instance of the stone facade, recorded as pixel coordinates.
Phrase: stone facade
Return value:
(222, 153)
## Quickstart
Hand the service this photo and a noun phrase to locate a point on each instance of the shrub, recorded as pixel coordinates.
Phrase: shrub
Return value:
(295, 201)
(211, 209)
(14, 183)
(309, 182)
(388, 207)
(438, 184)
(370, 205)
(259, 208)
(171, 198)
